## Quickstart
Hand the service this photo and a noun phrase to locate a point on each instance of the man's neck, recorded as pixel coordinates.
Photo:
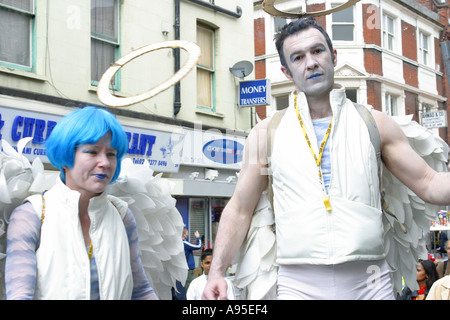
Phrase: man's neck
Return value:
(319, 108)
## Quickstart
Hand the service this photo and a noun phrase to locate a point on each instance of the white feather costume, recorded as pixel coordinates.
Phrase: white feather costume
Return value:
(149, 197)
(406, 219)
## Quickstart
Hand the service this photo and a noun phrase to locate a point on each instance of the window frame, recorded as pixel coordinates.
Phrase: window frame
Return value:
(31, 38)
(424, 53)
(211, 69)
(387, 34)
(391, 103)
(94, 36)
(352, 23)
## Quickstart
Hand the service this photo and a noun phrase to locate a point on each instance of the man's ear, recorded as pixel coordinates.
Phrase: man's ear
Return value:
(287, 73)
(335, 57)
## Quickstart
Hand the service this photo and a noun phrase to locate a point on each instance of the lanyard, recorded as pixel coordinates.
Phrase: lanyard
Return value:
(90, 252)
(318, 159)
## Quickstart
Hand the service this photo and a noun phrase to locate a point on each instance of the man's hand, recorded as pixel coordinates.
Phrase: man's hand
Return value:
(216, 288)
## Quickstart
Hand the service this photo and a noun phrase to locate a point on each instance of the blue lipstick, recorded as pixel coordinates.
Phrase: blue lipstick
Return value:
(100, 176)
(314, 76)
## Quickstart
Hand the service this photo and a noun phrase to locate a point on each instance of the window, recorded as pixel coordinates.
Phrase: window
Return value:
(424, 53)
(352, 94)
(282, 102)
(279, 23)
(104, 37)
(388, 32)
(16, 36)
(205, 67)
(391, 108)
(343, 24)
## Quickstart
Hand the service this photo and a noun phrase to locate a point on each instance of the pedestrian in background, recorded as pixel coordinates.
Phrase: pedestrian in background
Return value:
(188, 250)
(442, 267)
(197, 285)
(426, 276)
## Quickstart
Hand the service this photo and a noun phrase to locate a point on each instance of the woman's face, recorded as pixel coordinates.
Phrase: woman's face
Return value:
(93, 168)
(421, 274)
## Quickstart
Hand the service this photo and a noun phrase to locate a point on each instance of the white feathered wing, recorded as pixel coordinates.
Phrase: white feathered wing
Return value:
(18, 180)
(404, 234)
(406, 219)
(256, 270)
(159, 223)
(149, 198)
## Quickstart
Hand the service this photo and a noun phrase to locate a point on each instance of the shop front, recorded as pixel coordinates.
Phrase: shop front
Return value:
(21, 118)
(206, 179)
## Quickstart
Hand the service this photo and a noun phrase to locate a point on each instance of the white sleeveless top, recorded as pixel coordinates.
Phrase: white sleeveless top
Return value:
(305, 231)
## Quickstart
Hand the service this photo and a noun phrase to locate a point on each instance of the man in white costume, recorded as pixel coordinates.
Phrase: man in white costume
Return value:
(326, 197)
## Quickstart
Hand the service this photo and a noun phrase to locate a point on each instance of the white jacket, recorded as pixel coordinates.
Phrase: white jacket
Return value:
(63, 270)
(305, 231)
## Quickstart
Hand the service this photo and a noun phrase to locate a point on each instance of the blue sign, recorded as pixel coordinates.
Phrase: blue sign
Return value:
(161, 150)
(223, 151)
(254, 93)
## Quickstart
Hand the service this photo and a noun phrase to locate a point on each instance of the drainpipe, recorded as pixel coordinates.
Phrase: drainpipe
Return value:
(176, 55)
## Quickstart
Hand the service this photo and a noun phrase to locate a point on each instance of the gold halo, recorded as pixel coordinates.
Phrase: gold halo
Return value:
(269, 7)
(110, 100)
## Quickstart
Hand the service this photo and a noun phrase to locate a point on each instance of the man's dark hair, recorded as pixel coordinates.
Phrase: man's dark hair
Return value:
(206, 253)
(295, 27)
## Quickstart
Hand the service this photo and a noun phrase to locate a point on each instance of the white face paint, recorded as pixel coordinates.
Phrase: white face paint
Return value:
(310, 62)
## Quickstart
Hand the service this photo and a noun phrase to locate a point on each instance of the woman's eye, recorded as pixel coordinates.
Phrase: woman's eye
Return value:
(88, 151)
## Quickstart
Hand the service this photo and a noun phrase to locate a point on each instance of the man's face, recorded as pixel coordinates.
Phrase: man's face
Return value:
(206, 264)
(310, 62)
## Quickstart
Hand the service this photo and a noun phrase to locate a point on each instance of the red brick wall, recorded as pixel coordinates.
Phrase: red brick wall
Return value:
(373, 62)
(409, 41)
(411, 105)
(371, 24)
(260, 65)
(374, 94)
(315, 8)
(410, 74)
(260, 73)
(260, 37)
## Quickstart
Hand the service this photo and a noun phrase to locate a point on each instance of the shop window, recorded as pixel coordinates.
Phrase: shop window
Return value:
(198, 217)
(204, 216)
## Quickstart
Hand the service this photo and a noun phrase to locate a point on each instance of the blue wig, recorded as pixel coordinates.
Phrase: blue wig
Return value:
(84, 126)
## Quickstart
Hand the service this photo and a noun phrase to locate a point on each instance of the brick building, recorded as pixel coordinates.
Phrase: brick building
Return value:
(392, 54)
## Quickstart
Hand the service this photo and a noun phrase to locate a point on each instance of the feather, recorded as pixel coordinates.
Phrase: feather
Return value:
(406, 217)
(256, 269)
(160, 225)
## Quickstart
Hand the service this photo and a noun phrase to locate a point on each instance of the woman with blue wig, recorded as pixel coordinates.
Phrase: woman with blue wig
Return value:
(75, 241)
